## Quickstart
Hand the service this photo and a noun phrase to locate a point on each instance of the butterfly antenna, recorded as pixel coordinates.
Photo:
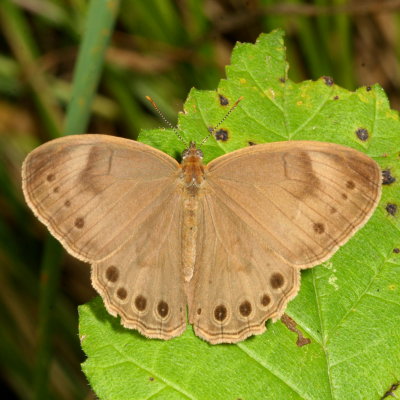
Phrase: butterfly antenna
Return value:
(166, 121)
(222, 120)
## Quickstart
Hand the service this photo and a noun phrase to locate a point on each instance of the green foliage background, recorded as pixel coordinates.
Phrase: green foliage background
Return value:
(343, 304)
(164, 48)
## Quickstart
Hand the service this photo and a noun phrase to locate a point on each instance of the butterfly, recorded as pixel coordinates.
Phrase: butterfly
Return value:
(222, 244)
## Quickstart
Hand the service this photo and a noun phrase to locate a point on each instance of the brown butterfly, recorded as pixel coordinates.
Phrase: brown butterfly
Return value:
(226, 240)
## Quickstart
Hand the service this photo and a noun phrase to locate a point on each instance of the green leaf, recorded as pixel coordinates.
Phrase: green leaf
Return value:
(348, 307)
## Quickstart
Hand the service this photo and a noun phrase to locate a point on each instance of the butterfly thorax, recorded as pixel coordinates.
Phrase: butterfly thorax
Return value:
(192, 169)
(192, 178)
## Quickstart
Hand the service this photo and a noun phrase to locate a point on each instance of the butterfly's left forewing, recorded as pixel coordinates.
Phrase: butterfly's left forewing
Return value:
(304, 198)
(266, 212)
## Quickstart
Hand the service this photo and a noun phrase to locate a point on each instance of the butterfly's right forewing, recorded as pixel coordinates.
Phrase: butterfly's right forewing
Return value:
(116, 203)
(92, 191)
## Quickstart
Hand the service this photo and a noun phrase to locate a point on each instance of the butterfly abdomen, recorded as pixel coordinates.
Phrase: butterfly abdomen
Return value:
(192, 177)
(189, 235)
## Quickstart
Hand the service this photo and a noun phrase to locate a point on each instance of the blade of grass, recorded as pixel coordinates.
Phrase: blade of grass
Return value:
(344, 64)
(49, 278)
(312, 47)
(100, 22)
(131, 113)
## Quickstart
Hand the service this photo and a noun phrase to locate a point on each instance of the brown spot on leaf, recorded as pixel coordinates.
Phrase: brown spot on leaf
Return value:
(292, 326)
(162, 309)
(333, 210)
(221, 134)
(140, 302)
(245, 308)
(396, 250)
(282, 79)
(223, 100)
(112, 273)
(151, 379)
(67, 203)
(79, 223)
(220, 313)
(344, 196)
(328, 80)
(368, 88)
(387, 177)
(362, 134)
(251, 143)
(391, 209)
(277, 280)
(198, 311)
(319, 228)
(122, 293)
(50, 177)
(56, 189)
(336, 98)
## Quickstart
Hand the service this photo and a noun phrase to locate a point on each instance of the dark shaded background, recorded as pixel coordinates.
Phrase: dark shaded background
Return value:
(160, 48)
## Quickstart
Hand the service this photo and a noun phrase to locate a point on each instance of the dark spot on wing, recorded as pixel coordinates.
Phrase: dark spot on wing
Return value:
(112, 273)
(344, 196)
(265, 300)
(67, 203)
(350, 185)
(319, 228)
(220, 313)
(50, 177)
(162, 309)
(333, 210)
(140, 302)
(198, 311)
(277, 280)
(245, 308)
(122, 293)
(297, 165)
(56, 189)
(79, 223)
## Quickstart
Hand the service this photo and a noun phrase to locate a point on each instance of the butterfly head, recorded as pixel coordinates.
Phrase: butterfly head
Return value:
(192, 152)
